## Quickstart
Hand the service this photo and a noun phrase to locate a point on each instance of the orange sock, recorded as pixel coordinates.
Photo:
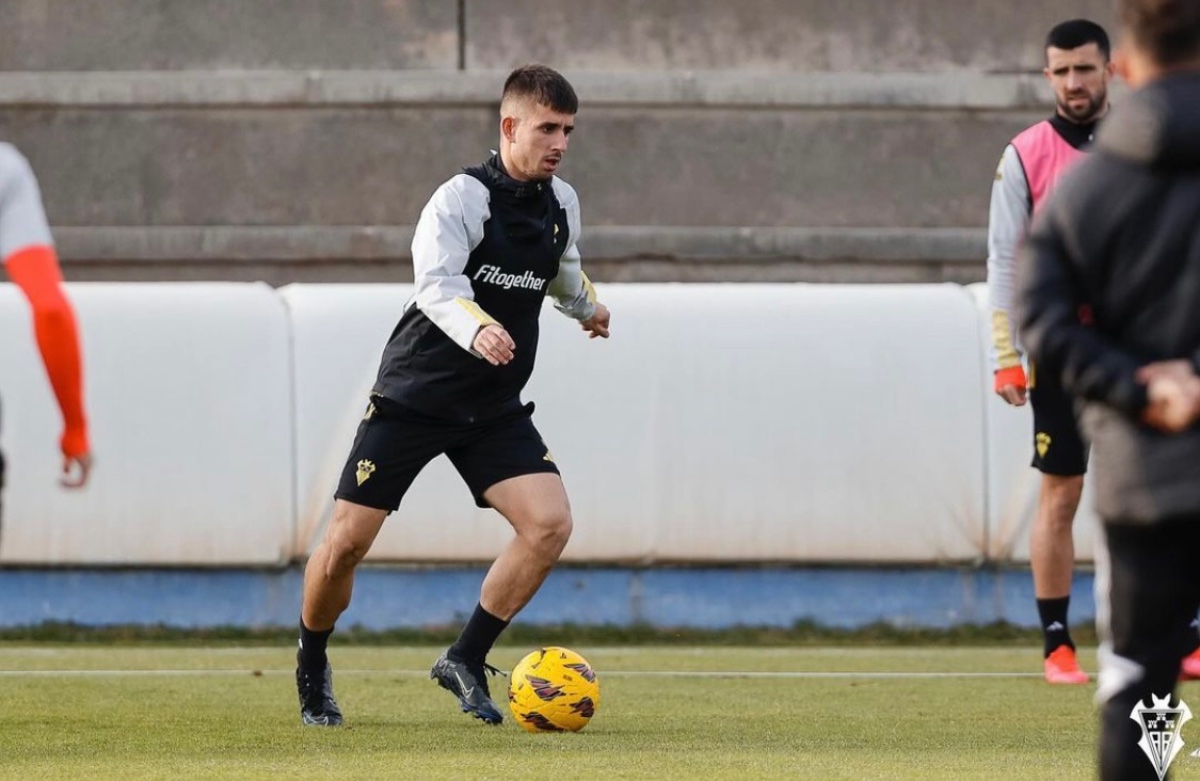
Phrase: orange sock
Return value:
(36, 272)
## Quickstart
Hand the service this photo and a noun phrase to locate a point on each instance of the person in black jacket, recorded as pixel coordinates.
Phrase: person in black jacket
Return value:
(490, 245)
(1122, 233)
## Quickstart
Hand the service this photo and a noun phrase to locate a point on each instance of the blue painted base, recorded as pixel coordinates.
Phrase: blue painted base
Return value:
(396, 597)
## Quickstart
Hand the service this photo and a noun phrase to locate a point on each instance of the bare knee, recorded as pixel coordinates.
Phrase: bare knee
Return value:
(548, 529)
(344, 551)
(343, 560)
(348, 538)
(1060, 498)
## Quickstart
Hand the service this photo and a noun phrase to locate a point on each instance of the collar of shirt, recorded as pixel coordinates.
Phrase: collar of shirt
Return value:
(502, 181)
(1075, 134)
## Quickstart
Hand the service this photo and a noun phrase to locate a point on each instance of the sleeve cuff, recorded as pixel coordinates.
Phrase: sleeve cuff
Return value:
(1139, 398)
(1012, 375)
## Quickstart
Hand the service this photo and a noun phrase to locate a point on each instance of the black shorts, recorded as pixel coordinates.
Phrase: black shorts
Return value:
(394, 443)
(1058, 447)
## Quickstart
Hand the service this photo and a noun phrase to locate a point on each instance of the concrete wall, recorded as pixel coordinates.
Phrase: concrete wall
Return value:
(783, 35)
(308, 117)
(69, 35)
(821, 35)
(245, 166)
(358, 166)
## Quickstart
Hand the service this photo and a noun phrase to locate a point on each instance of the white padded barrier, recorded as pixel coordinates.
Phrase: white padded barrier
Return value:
(1013, 483)
(339, 334)
(188, 390)
(807, 423)
(720, 423)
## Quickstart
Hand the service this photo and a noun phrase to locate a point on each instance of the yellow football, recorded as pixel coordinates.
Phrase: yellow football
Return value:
(553, 690)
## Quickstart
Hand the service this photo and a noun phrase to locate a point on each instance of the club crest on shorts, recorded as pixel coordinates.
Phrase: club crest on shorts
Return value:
(1042, 442)
(365, 470)
(1160, 725)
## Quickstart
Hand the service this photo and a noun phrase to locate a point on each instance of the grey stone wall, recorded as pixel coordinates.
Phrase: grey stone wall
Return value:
(762, 139)
(119, 35)
(245, 166)
(280, 159)
(783, 35)
(816, 35)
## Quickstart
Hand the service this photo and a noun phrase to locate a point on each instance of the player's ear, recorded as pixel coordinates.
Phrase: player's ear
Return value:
(508, 128)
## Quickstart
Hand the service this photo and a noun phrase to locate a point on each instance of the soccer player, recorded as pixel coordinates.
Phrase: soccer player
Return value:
(1121, 234)
(489, 245)
(27, 251)
(1079, 70)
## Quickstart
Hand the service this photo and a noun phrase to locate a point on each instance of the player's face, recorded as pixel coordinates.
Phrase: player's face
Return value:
(538, 141)
(1080, 79)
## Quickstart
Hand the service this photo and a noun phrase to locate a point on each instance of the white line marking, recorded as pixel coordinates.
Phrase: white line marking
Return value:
(602, 673)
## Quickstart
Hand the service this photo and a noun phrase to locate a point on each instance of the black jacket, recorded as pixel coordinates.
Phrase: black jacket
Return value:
(487, 249)
(1121, 235)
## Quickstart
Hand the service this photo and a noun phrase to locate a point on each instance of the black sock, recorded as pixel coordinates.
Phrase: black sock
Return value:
(478, 637)
(1053, 613)
(312, 648)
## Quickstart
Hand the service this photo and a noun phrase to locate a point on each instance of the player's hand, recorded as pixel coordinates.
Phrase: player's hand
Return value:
(494, 344)
(75, 471)
(597, 324)
(1013, 394)
(1010, 385)
(1174, 401)
(1180, 369)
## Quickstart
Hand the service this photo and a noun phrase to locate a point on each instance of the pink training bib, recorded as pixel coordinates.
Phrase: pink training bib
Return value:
(1045, 156)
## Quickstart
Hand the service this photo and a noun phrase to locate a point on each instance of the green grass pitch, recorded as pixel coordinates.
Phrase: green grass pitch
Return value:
(149, 712)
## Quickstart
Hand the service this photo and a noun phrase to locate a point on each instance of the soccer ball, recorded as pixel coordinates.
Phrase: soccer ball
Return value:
(553, 690)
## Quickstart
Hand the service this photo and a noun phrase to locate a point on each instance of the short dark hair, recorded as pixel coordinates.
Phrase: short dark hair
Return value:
(544, 85)
(1167, 30)
(1079, 32)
